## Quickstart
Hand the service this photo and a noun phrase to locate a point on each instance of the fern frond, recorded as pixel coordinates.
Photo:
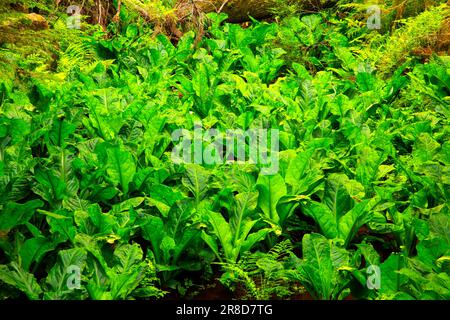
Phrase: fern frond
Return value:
(264, 275)
(79, 54)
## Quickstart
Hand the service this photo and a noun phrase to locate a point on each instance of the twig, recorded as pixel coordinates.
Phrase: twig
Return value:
(222, 6)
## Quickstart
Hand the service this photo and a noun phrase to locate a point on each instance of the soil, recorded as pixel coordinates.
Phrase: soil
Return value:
(212, 291)
(215, 291)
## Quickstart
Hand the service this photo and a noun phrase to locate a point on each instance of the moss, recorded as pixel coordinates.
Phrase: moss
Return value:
(421, 34)
(37, 6)
(31, 47)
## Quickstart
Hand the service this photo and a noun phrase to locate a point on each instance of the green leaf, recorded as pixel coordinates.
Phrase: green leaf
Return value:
(185, 46)
(440, 226)
(14, 214)
(202, 85)
(15, 276)
(271, 190)
(59, 274)
(90, 244)
(127, 256)
(425, 147)
(120, 167)
(224, 234)
(245, 203)
(286, 207)
(366, 81)
(212, 243)
(60, 131)
(167, 246)
(391, 280)
(339, 191)
(323, 216)
(319, 270)
(300, 175)
(104, 222)
(132, 31)
(61, 223)
(122, 285)
(127, 204)
(369, 253)
(163, 198)
(254, 238)
(196, 180)
(353, 220)
(50, 187)
(34, 250)
(153, 231)
(430, 250)
(99, 282)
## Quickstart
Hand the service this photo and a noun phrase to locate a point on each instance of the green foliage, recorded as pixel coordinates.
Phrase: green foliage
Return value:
(418, 32)
(235, 236)
(87, 179)
(264, 275)
(42, 5)
(324, 269)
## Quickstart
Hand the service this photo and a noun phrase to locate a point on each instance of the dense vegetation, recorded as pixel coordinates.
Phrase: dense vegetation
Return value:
(92, 205)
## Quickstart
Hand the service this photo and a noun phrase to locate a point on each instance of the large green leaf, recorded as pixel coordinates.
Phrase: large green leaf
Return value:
(34, 250)
(324, 218)
(212, 243)
(245, 203)
(122, 285)
(14, 214)
(320, 269)
(300, 175)
(353, 220)
(391, 280)
(340, 192)
(202, 81)
(61, 223)
(271, 189)
(50, 187)
(15, 276)
(286, 207)
(120, 167)
(127, 256)
(430, 250)
(163, 198)
(224, 234)
(153, 231)
(59, 275)
(440, 226)
(196, 180)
